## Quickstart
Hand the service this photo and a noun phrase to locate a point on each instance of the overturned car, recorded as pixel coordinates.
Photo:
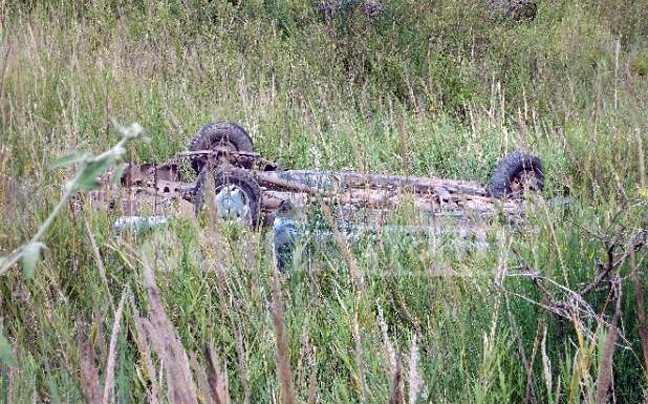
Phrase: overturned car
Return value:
(228, 175)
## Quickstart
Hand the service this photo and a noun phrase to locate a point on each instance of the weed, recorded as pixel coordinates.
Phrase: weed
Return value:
(424, 88)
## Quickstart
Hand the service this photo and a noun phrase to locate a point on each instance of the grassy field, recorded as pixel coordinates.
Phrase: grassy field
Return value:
(427, 88)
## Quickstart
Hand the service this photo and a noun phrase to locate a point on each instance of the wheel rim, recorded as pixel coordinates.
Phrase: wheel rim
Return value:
(233, 204)
(525, 180)
(225, 144)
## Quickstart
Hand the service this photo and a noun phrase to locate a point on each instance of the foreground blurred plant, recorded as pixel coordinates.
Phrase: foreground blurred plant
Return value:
(86, 179)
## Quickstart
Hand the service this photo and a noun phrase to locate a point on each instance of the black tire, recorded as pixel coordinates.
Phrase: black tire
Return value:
(516, 173)
(228, 175)
(219, 134)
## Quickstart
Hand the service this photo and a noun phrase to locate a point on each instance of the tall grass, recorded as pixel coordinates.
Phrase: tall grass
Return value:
(426, 88)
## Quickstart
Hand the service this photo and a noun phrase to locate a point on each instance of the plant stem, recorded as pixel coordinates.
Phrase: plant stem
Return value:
(17, 253)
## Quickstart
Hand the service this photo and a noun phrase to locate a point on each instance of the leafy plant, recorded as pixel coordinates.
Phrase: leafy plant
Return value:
(86, 179)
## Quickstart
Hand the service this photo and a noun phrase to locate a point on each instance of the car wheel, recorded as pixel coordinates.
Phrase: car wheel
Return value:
(515, 174)
(236, 196)
(228, 135)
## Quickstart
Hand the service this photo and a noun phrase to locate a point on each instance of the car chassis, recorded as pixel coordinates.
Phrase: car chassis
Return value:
(243, 186)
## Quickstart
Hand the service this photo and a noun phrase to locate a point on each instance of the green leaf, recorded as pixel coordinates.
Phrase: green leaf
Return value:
(119, 172)
(30, 257)
(6, 354)
(68, 159)
(89, 177)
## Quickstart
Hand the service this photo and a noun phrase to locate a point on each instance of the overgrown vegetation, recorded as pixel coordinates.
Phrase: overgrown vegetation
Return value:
(553, 312)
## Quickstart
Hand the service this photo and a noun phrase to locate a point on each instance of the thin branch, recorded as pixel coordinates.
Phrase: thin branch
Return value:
(17, 254)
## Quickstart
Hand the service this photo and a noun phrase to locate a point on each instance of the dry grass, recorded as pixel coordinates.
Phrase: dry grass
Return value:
(397, 395)
(144, 350)
(425, 88)
(89, 375)
(217, 378)
(604, 380)
(162, 336)
(283, 354)
(109, 383)
(416, 386)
